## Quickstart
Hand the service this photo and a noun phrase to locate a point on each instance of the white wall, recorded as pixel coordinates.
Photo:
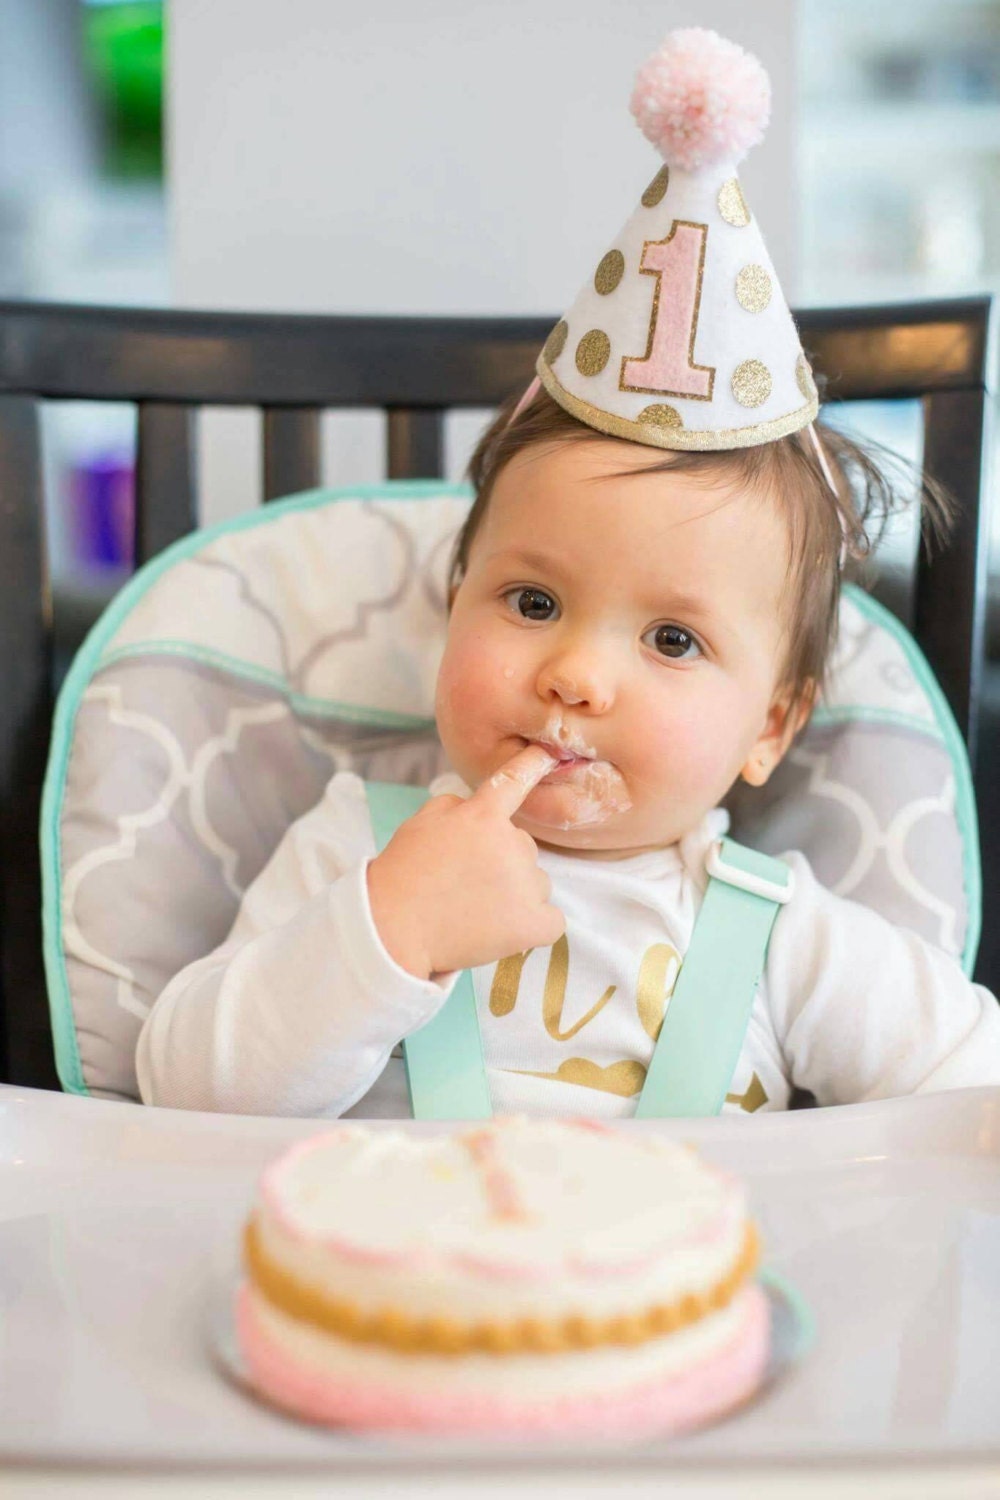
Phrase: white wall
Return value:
(47, 148)
(423, 156)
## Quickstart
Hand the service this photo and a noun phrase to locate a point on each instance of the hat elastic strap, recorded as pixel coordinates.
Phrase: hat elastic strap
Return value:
(828, 475)
(528, 396)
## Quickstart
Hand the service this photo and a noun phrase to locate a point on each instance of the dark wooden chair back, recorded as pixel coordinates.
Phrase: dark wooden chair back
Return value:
(416, 369)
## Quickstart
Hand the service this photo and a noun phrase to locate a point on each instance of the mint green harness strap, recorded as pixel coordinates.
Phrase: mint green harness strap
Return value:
(445, 1070)
(707, 1017)
(706, 1020)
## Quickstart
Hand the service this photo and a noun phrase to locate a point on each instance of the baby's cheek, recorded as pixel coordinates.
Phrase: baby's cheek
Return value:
(467, 687)
(687, 753)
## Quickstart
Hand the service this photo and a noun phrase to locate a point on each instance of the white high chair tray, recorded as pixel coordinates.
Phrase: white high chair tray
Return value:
(117, 1222)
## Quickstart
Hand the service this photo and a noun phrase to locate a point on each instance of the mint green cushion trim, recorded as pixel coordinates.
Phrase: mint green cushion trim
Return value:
(85, 663)
(320, 708)
(707, 1017)
(965, 797)
(862, 713)
(445, 1068)
(67, 1053)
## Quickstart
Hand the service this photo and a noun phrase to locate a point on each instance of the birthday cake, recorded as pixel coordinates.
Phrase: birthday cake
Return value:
(520, 1276)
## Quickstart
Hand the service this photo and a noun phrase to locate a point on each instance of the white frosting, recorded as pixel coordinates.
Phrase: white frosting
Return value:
(593, 791)
(566, 736)
(518, 1218)
(516, 1376)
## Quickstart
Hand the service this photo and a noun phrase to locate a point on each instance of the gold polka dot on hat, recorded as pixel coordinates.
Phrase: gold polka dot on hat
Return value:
(751, 383)
(593, 352)
(610, 272)
(753, 288)
(733, 205)
(657, 190)
(661, 415)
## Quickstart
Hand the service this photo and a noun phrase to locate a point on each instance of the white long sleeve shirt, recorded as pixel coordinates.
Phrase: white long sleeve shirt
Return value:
(301, 1010)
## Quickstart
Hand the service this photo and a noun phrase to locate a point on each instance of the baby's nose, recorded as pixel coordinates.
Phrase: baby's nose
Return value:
(567, 692)
(574, 687)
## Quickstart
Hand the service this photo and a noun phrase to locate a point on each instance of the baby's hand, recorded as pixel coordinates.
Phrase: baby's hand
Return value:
(458, 885)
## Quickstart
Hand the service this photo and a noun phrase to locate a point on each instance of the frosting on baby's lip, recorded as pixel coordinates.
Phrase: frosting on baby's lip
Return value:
(563, 755)
(572, 749)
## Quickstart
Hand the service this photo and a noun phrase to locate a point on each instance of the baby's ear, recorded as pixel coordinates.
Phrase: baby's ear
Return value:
(786, 716)
(455, 581)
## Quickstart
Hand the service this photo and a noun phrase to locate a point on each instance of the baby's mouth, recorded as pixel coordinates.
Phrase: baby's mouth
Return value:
(594, 786)
(567, 759)
(568, 764)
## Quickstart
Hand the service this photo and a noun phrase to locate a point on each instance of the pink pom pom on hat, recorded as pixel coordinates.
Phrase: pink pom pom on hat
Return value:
(682, 338)
(701, 99)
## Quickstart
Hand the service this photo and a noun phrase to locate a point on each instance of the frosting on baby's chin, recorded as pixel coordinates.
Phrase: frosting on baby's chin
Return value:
(592, 794)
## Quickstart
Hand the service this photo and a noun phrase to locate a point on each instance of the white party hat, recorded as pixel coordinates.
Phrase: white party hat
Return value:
(682, 338)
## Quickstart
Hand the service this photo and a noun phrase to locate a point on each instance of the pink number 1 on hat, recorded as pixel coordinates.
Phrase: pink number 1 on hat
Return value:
(667, 367)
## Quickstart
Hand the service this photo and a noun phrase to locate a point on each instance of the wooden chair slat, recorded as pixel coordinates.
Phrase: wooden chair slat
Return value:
(25, 716)
(415, 444)
(950, 603)
(166, 491)
(899, 351)
(261, 359)
(291, 450)
(264, 359)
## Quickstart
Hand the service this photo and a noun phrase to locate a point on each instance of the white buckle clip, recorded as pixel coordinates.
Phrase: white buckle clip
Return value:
(744, 881)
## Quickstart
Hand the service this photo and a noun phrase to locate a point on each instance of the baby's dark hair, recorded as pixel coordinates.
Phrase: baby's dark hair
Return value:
(869, 492)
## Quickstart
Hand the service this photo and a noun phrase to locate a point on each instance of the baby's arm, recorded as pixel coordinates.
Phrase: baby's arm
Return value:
(298, 1010)
(864, 1009)
(335, 957)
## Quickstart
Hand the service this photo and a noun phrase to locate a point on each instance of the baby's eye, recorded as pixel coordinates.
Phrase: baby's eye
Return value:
(532, 604)
(674, 642)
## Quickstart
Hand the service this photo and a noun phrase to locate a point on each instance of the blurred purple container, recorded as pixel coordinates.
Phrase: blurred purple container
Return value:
(103, 504)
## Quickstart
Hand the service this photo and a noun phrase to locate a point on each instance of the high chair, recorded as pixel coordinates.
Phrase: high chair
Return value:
(208, 607)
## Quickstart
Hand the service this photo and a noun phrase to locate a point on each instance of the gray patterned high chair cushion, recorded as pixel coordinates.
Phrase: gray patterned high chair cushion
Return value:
(238, 671)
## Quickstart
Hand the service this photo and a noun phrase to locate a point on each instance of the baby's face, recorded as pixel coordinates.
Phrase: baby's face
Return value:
(632, 621)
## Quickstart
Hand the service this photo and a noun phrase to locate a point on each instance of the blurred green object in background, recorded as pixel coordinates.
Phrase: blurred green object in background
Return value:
(123, 50)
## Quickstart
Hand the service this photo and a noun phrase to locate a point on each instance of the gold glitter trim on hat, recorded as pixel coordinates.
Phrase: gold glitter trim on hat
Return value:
(804, 377)
(657, 190)
(610, 272)
(733, 205)
(556, 341)
(751, 383)
(661, 415)
(703, 440)
(709, 369)
(443, 1335)
(753, 290)
(593, 352)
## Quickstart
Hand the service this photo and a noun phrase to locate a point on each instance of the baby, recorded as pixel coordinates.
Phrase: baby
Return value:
(643, 602)
(630, 633)
(619, 651)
